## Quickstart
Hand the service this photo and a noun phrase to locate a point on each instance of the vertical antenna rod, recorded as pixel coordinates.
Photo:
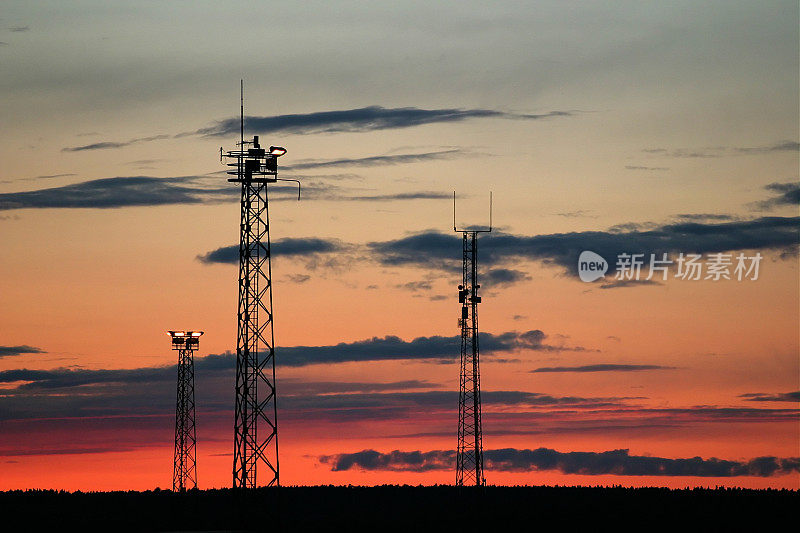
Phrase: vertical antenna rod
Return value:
(255, 439)
(184, 465)
(469, 455)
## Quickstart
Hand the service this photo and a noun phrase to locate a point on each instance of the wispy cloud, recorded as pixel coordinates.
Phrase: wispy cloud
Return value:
(639, 167)
(48, 176)
(721, 151)
(580, 213)
(110, 144)
(415, 195)
(378, 160)
(362, 119)
(601, 368)
(780, 146)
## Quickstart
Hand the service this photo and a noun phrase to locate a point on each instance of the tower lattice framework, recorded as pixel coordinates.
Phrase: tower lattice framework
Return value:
(184, 469)
(255, 439)
(256, 410)
(469, 456)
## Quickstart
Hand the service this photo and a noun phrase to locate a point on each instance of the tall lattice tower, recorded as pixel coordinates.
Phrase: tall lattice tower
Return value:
(184, 467)
(469, 456)
(255, 439)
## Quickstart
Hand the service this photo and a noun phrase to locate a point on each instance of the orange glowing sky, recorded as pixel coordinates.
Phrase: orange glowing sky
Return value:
(589, 123)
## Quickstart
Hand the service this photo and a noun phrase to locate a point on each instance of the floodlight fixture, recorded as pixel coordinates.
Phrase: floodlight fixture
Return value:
(183, 338)
(184, 469)
(277, 151)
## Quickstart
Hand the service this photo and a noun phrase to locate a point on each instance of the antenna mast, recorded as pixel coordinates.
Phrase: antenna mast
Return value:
(469, 456)
(255, 440)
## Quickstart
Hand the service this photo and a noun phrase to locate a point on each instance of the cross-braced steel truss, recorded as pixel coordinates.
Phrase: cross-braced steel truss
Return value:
(256, 415)
(469, 457)
(255, 440)
(184, 470)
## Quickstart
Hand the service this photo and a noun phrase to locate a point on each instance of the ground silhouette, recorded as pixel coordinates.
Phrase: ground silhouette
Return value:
(401, 508)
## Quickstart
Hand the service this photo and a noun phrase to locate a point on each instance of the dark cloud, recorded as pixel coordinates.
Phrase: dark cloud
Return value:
(97, 146)
(66, 450)
(714, 414)
(396, 461)
(363, 119)
(359, 120)
(601, 368)
(500, 277)
(613, 462)
(787, 194)
(425, 348)
(621, 463)
(379, 160)
(7, 351)
(793, 397)
(434, 250)
(94, 393)
(110, 395)
(288, 247)
(401, 405)
(116, 192)
(61, 378)
(695, 217)
(76, 393)
(151, 191)
(392, 348)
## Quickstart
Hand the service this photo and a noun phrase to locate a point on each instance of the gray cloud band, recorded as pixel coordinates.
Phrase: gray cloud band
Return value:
(613, 462)
(362, 119)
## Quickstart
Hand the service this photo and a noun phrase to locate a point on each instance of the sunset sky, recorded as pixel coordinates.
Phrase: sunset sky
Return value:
(618, 128)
